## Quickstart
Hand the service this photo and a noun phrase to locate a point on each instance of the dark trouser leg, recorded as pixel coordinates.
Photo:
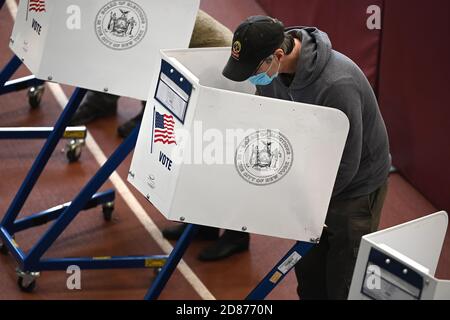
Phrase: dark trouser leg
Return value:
(101, 97)
(94, 106)
(125, 129)
(311, 272)
(231, 242)
(204, 233)
(327, 270)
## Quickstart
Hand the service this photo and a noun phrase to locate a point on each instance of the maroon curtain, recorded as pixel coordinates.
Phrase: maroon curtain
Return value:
(415, 93)
(231, 12)
(345, 21)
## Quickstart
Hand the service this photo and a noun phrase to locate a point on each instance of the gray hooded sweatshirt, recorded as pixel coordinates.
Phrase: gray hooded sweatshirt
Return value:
(326, 77)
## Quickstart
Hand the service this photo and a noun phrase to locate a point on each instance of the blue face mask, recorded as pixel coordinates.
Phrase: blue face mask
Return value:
(263, 79)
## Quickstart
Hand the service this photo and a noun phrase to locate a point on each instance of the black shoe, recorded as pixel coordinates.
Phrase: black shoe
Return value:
(96, 105)
(124, 130)
(231, 242)
(204, 233)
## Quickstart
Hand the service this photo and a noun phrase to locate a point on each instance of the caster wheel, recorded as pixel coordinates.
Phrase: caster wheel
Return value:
(107, 210)
(26, 280)
(73, 152)
(35, 96)
(3, 249)
(26, 286)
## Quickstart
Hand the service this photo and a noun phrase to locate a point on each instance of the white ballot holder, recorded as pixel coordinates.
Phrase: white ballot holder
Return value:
(210, 152)
(100, 45)
(399, 263)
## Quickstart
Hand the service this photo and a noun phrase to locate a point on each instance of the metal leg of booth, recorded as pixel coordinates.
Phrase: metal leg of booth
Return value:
(172, 261)
(273, 278)
(8, 86)
(75, 135)
(32, 263)
(281, 269)
(42, 159)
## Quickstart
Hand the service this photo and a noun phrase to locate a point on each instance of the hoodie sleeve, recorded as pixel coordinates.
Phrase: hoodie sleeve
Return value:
(346, 97)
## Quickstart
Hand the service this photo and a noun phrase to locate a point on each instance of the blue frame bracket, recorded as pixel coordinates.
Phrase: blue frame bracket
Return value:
(7, 85)
(260, 292)
(172, 261)
(62, 215)
(279, 272)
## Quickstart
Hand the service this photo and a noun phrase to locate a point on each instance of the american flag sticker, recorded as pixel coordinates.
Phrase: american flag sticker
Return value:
(163, 129)
(36, 5)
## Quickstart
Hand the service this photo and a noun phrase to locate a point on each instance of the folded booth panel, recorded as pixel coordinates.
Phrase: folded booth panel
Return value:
(30, 34)
(116, 41)
(235, 160)
(399, 263)
(204, 65)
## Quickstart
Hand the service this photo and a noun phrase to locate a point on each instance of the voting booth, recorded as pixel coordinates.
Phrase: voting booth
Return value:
(399, 263)
(100, 45)
(210, 152)
(108, 46)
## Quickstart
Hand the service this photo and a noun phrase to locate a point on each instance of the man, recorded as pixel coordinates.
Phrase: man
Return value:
(299, 64)
(208, 32)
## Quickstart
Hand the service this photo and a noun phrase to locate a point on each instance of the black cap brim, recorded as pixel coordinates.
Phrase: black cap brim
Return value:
(239, 71)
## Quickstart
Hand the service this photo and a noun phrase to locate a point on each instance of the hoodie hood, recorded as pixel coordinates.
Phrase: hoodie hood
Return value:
(327, 78)
(314, 55)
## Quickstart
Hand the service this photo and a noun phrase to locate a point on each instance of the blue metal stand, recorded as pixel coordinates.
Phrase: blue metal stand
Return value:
(8, 71)
(174, 258)
(36, 89)
(281, 269)
(273, 278)
(31, 263)
(41, 133)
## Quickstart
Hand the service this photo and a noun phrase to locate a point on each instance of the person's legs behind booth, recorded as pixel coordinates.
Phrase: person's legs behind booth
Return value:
(325, 273)
(229, 243)
(94, 106)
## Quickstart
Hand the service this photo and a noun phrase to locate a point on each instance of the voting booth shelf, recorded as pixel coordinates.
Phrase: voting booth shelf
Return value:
(399, 263)
(280, 171)
(96, 56)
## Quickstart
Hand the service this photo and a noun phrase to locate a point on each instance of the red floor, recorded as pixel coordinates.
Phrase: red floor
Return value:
(89, 235)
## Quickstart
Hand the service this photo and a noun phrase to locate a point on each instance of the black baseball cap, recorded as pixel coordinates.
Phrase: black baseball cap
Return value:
(254, 40)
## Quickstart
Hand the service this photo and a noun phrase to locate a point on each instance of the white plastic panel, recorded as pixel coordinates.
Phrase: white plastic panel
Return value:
(288, 198)
(102, 45)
